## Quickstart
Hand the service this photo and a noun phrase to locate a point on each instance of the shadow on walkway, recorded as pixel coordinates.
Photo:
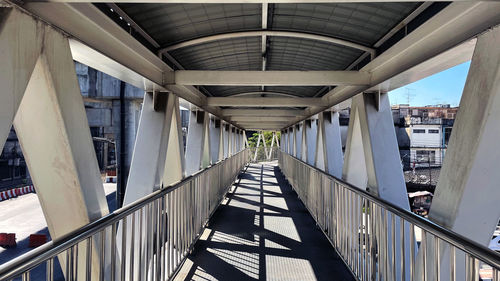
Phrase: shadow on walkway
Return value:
(264, 232)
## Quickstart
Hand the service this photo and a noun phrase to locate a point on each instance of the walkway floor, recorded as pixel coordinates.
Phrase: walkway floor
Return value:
(263, 232)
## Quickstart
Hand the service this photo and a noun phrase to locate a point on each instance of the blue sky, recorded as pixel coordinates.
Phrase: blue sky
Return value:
(441, 88)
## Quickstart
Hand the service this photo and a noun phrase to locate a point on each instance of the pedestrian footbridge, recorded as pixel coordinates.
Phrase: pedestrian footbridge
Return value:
(280, 220)
(195, 199)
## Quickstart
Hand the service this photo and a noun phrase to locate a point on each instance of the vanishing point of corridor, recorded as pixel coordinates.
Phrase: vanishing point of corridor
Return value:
(263, 232)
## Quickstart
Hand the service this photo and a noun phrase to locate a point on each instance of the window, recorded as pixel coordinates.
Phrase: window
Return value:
(419, 131)
(433, 131)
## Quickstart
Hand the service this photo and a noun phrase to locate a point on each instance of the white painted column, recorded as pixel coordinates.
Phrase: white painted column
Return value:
(230, 140)
(372, 161)
(291, 144)
(298, 140)
(215, 139)
(333, 144)
(320, 160)
(157, 124)
(198, 142)
(466, 196)
(225, 136)
(285, 140)
(245, 140)
(303, 148)
(310, 134)
(51, 125)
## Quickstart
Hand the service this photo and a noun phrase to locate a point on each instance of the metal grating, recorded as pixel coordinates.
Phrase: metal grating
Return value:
(172, 23)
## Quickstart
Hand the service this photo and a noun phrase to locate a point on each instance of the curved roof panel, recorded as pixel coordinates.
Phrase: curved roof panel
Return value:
(172, 23)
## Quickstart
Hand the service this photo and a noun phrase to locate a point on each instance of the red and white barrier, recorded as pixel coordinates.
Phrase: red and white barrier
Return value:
(13, 193)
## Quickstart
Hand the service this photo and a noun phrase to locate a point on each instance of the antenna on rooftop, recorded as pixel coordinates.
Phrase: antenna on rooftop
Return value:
(409, 95)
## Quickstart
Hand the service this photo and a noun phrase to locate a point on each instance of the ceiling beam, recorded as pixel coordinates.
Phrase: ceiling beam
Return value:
(259, 119)
(260, 33)
(263, 102)
(270, 78)
(263, 112)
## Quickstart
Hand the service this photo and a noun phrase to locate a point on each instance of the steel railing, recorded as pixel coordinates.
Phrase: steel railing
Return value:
(161, 230)
(380, 241)
(263, 154)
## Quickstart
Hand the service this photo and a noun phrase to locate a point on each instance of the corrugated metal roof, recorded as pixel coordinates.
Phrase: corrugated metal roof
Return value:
(363, 23)
(303, 54)
(172, 23)
(232, 54)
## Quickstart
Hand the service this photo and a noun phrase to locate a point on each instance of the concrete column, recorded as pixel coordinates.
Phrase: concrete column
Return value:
(311, 128)
(226, 139)
(298, 140)
(320, 160)
(198, 142)
(329, 156)
(215, 140)
(303, 149)
(282, 139)
(291, 144)
(245, 140)
(466, 196)
(19, 34)
(157, 158)
(372, 161)
(52, 126)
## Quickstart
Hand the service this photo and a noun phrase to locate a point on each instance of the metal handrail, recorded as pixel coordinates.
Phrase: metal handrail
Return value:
(50, 250)
(458, 241)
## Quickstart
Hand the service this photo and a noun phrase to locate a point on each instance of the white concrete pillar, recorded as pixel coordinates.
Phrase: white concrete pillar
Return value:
(285, 140)
(215, 139)
(372, 162)
(310, 137)
(372, 136)
(303, 149)
(320, 160)
(329, 155)
(157, 134)
(158, 157)
(51, 125)
(298, 140)
(466, 196)
(198, 142)
(291, 144)
(225, 136)
(245, 140)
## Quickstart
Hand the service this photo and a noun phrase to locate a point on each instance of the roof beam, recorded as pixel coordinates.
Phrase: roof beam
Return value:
(259, 119)
(270, 78)
(263, 112)
(260, 33)
(264, 102)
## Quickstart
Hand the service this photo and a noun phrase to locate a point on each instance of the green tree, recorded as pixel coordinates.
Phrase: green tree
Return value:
(268, 137)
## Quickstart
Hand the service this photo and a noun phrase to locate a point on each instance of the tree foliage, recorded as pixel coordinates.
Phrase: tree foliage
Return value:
(268, 136)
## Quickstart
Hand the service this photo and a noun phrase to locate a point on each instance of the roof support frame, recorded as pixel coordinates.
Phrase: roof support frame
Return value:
(267, 33)
(263, 112)
(268, 78)
(264, 102)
